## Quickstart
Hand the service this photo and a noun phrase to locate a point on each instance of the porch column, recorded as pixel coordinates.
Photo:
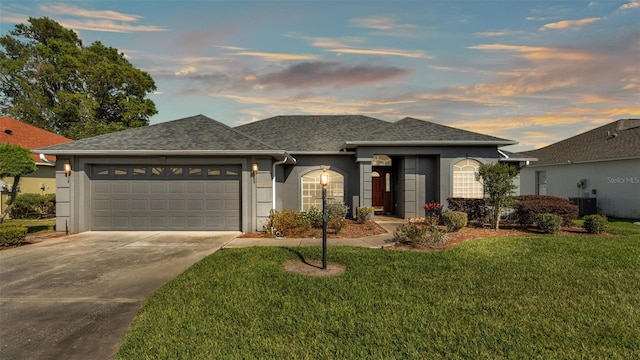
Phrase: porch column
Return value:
(366, 194)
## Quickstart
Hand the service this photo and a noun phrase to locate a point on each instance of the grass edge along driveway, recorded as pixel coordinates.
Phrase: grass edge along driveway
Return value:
(509, 297)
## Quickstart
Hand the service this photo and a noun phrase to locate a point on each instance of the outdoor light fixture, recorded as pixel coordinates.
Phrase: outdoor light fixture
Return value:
(324, 180)
(254, 169)
(67, 169)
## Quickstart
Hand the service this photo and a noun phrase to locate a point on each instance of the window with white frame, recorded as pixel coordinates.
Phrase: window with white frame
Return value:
(312, 189)
(465, 184)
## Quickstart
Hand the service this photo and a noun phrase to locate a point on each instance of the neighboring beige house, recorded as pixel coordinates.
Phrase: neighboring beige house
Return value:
(599, 168)
(43, 181)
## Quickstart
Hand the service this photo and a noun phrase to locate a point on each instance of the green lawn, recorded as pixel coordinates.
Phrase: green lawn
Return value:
(540, 297)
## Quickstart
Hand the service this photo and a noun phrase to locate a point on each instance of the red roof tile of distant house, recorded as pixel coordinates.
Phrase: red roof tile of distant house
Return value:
(15, 132)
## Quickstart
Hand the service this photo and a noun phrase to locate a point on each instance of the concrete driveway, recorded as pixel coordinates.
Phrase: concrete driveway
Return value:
(74, 297)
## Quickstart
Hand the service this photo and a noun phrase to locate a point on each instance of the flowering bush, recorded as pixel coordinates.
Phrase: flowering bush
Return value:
(432, 211)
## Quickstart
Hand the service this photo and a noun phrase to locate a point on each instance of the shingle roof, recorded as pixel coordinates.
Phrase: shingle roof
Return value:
(297, 133)
(16, 132)
(293, 133)
(617, 140)
(196, 133)
(410, 129)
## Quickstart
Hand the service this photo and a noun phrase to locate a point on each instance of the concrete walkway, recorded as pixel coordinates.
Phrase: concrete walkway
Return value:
(74, 297)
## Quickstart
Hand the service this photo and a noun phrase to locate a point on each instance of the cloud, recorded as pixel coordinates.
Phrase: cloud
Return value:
(489, 33)
(65, 9)
(108, 26)
(630, 5)
(347, 45)
(98, 20)
(569, 24)
(385, 52)
(274, 56)
(185, 71)
(380, 23)
(536, 52)
(314, 74)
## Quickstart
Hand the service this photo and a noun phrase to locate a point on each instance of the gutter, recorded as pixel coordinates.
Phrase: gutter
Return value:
(161, 152)
(352, 144)
(273, 178)
(570, 162)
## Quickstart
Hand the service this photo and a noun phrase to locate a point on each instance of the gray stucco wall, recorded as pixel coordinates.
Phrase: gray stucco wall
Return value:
(616, 183)
(288, 184)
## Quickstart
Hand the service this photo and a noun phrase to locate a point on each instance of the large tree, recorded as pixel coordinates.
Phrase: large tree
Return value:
(15, 161)
(497, 180)
(50, 80)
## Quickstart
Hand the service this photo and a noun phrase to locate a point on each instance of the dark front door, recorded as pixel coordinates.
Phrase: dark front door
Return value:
(381, 188)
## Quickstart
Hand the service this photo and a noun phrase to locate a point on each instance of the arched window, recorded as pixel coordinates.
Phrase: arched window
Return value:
(465, 184)
(312, 189)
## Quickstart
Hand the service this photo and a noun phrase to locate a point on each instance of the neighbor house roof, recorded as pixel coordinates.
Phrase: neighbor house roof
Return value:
(16, 132)
(189, 136)
(617, 140)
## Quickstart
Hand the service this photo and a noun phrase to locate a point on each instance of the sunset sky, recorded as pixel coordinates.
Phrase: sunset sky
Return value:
(531, 71)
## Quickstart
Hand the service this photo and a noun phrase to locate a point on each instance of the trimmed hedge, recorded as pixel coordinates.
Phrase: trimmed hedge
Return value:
(476, 209)
(287, 223)
(12, 234)
(549, 223)
(34, 206)
(529, 207)
(595, 224)
(364, 213)
(454, 220)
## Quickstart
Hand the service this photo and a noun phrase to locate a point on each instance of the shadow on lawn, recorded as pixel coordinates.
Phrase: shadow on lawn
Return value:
(301, 257)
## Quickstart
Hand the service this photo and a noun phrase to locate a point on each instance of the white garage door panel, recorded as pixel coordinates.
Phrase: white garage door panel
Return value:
(163, 198)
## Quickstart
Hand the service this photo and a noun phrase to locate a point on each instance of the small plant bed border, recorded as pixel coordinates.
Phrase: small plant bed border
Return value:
(351, 231)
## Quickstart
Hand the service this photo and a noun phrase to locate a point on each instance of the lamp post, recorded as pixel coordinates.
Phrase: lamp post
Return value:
(324, 180)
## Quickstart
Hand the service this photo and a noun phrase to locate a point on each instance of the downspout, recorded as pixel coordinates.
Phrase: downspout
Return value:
(503, 154)
(273, 179)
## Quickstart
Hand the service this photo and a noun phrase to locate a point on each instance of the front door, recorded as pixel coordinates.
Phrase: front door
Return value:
(381, 188)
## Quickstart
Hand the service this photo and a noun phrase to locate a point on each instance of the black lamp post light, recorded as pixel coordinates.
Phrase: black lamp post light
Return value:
(324, 180)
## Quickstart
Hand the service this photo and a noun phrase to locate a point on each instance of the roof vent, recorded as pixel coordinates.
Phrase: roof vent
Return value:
(611, 134)
(8, 132)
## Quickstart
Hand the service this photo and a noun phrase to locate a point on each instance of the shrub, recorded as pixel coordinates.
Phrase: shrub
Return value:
(595, 224)
(436, 236)
(454, 220)
(549, 223)
(336, 210)
(477, 210)
(288, 223)
(34, 206)
(364, 213)
(314, 216)
(528, 207)
(409, 233)
(336, 213)
(12, 234)
(337, 224)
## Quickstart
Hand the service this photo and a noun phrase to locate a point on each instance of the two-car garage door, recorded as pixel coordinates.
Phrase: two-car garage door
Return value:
(152, 197)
